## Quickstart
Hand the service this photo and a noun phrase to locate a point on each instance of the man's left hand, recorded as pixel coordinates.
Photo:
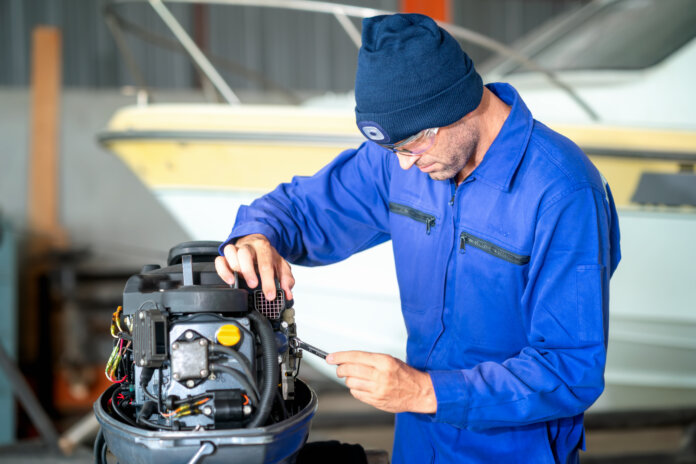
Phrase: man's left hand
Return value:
(385, 382)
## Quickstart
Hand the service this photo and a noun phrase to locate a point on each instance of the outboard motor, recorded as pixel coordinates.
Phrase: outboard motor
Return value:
(202, 372)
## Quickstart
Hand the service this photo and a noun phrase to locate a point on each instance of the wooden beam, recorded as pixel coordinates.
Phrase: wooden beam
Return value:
(44, 192)
(439, 10)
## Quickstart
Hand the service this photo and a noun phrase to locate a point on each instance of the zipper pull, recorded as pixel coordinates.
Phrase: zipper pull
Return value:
(462, 244)
(451, 202)
(428, 224)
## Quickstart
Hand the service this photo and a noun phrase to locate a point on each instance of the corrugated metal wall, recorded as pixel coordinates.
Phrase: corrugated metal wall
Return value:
(295, 50)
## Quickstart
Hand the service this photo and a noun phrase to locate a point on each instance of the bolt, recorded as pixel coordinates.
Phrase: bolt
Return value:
(207, 410)
(212, 377)
(175, 346)
(284, 325)
(203, 342)
(142, 362)
(204, 372)
(246, 410)
(190, 383)
(176, 376)
(141, 315)
(188, 335)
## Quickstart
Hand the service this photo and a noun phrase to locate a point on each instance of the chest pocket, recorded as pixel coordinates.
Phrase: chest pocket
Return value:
(415, 239)
(490, 283)
(466, 238)
(427, 219)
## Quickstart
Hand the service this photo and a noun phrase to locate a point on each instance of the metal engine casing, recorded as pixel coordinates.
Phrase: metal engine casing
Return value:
(174, 314)
(203, 327)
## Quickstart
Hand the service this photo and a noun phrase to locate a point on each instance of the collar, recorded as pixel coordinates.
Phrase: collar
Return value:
(505, 153)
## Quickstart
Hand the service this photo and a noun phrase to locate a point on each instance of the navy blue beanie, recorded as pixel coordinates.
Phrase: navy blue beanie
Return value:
(412, 75)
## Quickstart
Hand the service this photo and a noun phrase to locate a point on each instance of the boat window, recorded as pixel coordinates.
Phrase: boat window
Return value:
(629, 34)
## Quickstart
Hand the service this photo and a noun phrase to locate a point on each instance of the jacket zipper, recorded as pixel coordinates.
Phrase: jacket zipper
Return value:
(490, 248)
(427, 219)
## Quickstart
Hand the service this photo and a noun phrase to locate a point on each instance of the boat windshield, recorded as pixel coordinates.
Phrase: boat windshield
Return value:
(614, 37)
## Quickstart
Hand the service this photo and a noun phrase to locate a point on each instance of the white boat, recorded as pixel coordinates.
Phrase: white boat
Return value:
(204, 160)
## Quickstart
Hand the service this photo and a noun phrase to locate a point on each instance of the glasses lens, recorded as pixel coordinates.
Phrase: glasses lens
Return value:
(420, 144)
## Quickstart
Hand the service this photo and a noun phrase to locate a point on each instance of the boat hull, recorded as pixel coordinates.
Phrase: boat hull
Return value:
(203, 166)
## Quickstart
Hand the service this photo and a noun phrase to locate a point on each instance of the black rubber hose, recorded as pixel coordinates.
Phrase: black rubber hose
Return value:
(100, 448)
(271, 370)
(115, 406)
(248, 388)
(234, 354)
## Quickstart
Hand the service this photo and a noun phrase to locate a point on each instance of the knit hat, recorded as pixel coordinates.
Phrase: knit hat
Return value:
(412, 75)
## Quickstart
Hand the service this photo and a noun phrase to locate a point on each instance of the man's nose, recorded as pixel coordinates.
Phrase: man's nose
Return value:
(407, 161)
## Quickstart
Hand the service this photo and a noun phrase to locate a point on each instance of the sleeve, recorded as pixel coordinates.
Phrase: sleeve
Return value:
(565, 307)
(322, 219)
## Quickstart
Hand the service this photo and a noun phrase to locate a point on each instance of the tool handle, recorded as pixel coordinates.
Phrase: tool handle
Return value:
(312, 349)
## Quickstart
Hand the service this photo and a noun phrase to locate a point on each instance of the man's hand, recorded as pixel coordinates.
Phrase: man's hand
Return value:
(385, 382)
(253, 252)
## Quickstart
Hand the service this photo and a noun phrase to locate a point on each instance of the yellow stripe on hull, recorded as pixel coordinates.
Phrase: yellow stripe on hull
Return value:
(219, 165)
(252, 162)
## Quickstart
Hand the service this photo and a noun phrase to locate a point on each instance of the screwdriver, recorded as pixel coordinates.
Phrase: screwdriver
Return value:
(299, 344)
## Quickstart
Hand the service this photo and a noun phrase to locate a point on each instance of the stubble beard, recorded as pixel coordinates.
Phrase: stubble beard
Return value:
(463, 148)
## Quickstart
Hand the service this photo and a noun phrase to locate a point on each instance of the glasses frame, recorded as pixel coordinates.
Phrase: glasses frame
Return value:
(430, 134)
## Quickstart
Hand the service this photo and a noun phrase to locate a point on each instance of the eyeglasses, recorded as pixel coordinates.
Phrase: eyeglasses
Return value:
(417, 144)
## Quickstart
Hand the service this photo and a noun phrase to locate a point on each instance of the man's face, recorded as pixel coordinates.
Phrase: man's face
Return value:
(453, 148)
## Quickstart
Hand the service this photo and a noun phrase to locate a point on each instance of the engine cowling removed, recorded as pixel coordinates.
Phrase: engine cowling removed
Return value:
(202, 370)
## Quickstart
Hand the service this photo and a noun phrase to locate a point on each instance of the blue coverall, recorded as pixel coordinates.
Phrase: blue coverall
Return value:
(504, 283)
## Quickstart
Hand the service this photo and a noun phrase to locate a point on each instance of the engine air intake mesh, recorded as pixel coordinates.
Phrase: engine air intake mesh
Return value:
(270, 309)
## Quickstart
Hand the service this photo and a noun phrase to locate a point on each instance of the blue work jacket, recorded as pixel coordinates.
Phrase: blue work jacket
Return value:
(504, 283)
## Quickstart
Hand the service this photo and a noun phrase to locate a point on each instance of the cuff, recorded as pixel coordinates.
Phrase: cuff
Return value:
(452, 396)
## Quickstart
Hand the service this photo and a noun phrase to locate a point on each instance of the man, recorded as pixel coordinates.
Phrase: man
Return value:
(504, 239)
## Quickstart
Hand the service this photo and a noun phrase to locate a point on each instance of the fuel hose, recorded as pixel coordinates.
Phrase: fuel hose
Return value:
(270, 371)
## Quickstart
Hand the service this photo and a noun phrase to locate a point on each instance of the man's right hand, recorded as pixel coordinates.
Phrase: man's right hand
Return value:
(250, 253)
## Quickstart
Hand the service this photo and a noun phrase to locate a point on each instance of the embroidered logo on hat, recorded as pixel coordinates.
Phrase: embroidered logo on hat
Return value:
(373, 131)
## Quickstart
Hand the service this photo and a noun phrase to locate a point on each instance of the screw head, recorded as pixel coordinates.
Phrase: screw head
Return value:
(175, 346)
(204, 372)
(207, 410)
(212, 377)
(176, 376)
(188, 335)
(203, 342)
(246, 410)
(190, 383)
(284, 325)
(141, 315)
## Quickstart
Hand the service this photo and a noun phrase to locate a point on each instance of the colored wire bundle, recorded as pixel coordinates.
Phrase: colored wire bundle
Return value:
(117, 330)
(115, 360)
(187, 409)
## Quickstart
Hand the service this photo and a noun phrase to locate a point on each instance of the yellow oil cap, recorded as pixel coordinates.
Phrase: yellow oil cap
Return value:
(228, 335)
